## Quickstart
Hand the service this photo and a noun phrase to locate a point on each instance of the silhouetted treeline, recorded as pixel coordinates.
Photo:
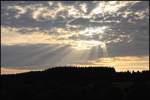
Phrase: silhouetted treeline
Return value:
(75, 83)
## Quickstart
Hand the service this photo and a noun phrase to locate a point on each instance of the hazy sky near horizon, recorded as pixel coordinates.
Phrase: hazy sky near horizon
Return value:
(41, 33)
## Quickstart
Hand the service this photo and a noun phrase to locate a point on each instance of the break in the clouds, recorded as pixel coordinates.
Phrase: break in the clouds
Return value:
(53, 32)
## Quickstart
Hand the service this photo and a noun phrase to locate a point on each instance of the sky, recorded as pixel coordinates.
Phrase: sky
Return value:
(41, 34)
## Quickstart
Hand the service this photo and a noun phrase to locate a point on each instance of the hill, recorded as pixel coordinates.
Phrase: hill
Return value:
(72, 83)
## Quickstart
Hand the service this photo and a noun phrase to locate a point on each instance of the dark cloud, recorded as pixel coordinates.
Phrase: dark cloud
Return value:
(80, 21)
(32, 55)
(128, 49)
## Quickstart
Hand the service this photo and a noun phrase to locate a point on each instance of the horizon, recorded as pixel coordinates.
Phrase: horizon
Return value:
(35, 35)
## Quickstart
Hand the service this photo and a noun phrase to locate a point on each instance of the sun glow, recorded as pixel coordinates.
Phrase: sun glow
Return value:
(85, 39)
(84, 44)
(89, 31)
(87, 45)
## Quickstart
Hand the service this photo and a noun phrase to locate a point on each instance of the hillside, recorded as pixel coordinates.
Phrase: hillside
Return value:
(72, 83)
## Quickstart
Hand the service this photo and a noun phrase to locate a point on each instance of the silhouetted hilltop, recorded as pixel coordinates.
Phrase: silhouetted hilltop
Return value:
(73, 72)
(82, 69)
(75, 83)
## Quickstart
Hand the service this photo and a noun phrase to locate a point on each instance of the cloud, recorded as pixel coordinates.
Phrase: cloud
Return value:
(122, 63)
(19, 10)
(123, 26)
(10, 36)
(76, 17)
(83, 7)
(47, 13)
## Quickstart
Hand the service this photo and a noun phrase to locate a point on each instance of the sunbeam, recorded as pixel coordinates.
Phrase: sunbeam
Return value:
(104, 48)
(55, 33)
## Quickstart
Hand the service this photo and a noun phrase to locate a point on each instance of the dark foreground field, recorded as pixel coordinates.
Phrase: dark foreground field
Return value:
(71, 83)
